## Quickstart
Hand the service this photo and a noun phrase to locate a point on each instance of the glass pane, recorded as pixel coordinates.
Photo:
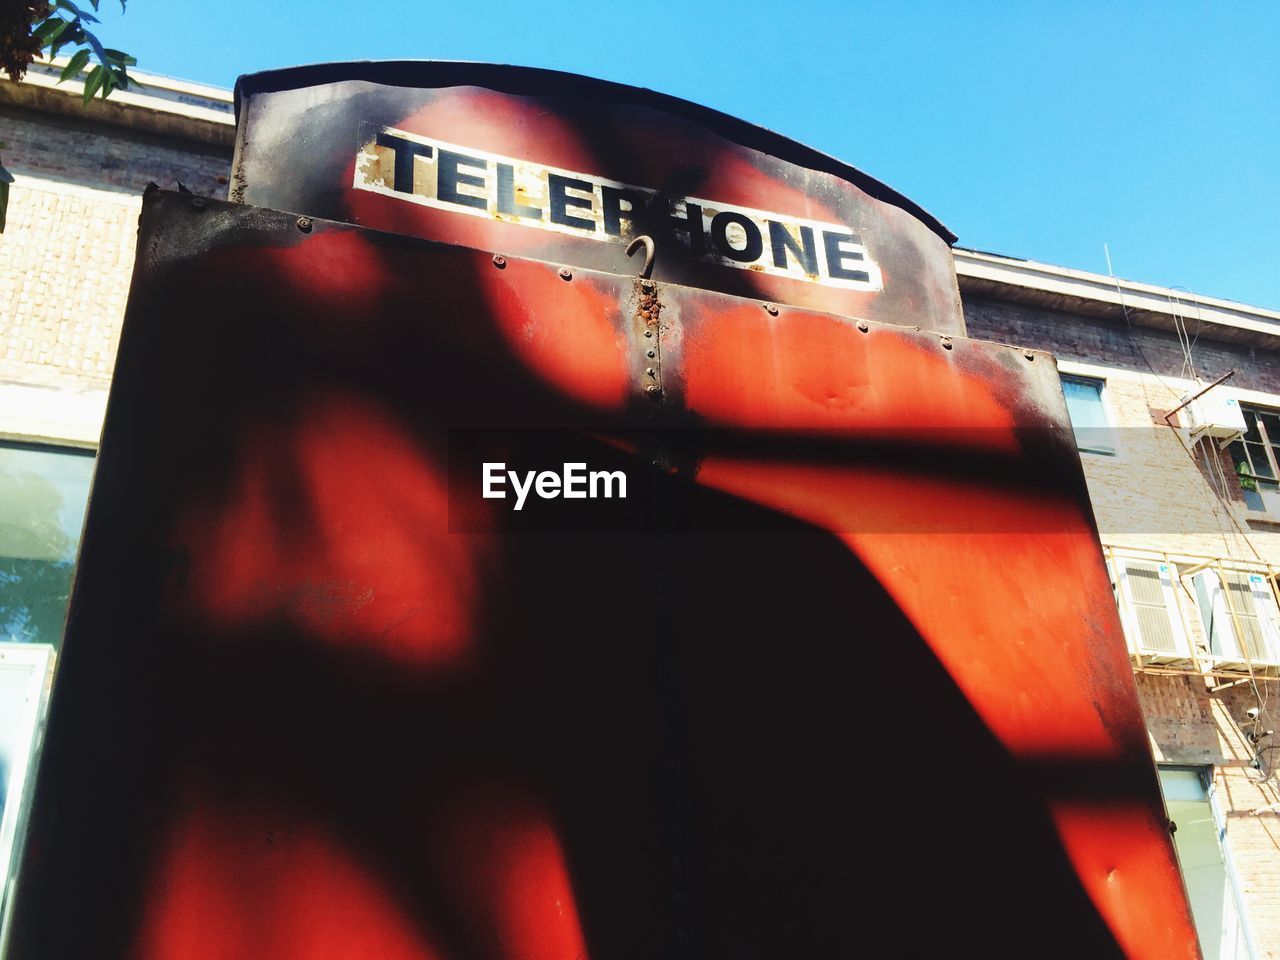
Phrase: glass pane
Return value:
(1269, 499)
(1271, 424)
(42, 499)
(1258, 458)
(1239, 455)
(1250, 424)
(1088, 416)
(1203, 863)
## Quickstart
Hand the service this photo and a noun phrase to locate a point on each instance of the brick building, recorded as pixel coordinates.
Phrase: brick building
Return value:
(1189, 528)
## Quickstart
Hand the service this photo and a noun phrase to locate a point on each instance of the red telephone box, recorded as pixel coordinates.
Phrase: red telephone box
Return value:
(841, 669)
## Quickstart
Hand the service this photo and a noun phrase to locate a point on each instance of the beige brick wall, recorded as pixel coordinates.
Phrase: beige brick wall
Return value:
(66, 258)
(1154, 493)
(65, 261)
(1255, 849)
(1158, 493)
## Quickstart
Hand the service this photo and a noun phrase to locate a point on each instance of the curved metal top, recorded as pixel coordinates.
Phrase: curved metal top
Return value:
(538, 81)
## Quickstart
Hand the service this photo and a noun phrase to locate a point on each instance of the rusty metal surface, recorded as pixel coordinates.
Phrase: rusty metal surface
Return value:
(848, 660)
(561, 168)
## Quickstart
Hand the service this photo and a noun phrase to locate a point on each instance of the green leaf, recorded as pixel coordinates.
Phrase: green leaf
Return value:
(70, 33)
(92, 41)
(1246, 481)
(77, 12)
(94, 81)
(50, 30)
(74, 65)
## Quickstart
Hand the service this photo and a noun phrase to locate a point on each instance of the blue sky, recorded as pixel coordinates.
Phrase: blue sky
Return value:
(1038, 130)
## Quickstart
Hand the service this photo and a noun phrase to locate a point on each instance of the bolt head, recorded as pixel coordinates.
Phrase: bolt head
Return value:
(648, 333)
(771, 309)
(304, 224)
(651, 354)
(946, 343)
(499, 261)
(1029, 355)
(864, 326)
(199, 203)
(646, 286)
(566, 273)
(653, 390)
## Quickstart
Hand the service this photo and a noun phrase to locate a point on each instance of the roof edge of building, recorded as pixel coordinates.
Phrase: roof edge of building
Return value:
(152, 104)
(1063, 289)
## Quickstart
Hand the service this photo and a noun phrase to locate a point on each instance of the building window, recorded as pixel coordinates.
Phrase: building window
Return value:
(1088, 412)
(1205, 859)
(1256, 458)
(43, 492)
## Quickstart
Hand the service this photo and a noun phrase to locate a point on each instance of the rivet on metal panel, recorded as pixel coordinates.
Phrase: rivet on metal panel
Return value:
(946, 343)
(864, 326)
(650, 371)
(648, 333)
(771, 309)
(1029, 355)
(304, 224)
(199, 203)
(647, 242)
(653, 390)
(499, 261)
(650, 353)
(566, 273)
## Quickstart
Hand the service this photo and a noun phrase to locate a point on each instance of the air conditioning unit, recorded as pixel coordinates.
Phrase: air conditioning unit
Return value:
(1216, 413)
(1240, 616)
(1149, 610)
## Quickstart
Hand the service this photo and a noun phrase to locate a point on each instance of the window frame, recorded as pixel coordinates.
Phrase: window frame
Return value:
(1263, 501)
(1066, 374)
(1233, 887)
